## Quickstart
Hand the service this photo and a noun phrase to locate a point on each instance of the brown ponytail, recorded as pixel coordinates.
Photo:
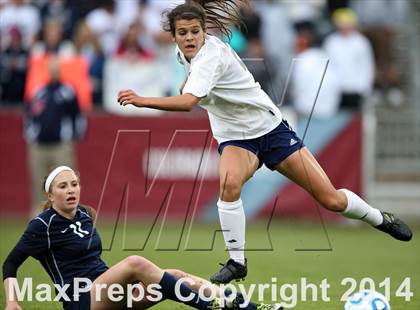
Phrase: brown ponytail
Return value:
(215, 14)
(91, 211)
(46, 204)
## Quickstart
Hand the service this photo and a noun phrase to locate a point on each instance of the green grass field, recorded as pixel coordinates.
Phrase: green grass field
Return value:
(300, 250)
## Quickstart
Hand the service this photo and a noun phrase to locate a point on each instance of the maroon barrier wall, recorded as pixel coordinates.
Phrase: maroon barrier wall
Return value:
(14, 176)
(113, 160)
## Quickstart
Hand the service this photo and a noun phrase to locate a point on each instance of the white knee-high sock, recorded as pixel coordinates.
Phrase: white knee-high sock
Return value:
(357, 208)
(232, 222)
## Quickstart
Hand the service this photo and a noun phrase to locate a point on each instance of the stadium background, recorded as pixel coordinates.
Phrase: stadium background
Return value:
(153, 176)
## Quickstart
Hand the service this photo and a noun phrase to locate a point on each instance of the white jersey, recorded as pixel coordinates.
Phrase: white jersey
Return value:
(238, 108)
(352, 57)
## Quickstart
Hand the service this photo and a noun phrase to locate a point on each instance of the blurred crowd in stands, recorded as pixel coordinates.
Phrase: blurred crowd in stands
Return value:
(105, 45)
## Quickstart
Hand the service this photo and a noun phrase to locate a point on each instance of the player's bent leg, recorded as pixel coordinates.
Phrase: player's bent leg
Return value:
(302, 168)
(237, 165)
(135, 269)
(131, 270)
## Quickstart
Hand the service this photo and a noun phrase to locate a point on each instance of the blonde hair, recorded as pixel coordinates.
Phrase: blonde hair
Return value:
(344, 17)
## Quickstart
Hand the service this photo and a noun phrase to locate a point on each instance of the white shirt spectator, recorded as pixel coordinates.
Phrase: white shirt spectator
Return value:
(352, 57)
(308, 69)
(238, 108)
(308, 10)
(109, 27)
(25, 17)
(275, 20)
(128, 11)
(151, 18)
(153, 13)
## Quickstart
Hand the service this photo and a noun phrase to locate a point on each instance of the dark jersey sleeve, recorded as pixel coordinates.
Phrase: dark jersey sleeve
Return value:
(34, 240)
(12, 263)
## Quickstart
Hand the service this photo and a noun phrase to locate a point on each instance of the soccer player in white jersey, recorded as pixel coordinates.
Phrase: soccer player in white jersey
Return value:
(248, 126)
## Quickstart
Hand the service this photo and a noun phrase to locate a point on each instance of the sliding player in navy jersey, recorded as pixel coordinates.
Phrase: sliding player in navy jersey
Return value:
(64, 240)
(248, 126)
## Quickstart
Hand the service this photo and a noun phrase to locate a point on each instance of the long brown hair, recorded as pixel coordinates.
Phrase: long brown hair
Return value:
(215, 14)
(47, 204)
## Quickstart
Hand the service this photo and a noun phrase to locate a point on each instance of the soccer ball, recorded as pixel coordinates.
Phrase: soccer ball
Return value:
(367, 300)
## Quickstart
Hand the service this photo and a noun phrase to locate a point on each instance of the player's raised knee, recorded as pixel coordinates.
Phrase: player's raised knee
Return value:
(137, 263)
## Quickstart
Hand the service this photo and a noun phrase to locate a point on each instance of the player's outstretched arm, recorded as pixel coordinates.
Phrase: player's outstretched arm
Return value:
(183, 102)
(10, 268)
(11, 303)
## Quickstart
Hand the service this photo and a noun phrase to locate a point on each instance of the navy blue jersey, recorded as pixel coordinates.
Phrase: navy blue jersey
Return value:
(64, 247)
(53, 116)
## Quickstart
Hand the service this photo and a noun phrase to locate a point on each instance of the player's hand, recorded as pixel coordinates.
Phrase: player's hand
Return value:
(128, 96)
(13, 306)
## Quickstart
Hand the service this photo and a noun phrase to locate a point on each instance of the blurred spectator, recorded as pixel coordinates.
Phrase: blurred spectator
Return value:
(13, 66)
(351, 56)
(58, 9)
(160, 42)
(254, 53)
(75, 69)
(129, 46)
(380, 22)
(310, 64)
(80, 9)
(128, 11)
(52, 40)
(108, 25)
(52, 122)
(87, 45)
(302, 13)
(251, 22)
(333, 5)
(275, 20)
(24, 16)
(151, 17)
(237, 40)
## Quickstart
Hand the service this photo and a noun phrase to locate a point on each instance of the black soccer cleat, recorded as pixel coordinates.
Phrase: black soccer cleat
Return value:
(230, 271)
(395, 227)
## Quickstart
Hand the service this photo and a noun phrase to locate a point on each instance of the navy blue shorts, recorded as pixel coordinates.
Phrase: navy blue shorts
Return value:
(271, 148)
